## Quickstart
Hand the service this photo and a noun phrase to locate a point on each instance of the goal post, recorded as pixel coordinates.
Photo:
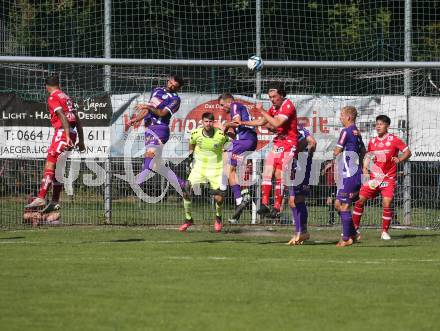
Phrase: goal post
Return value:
(317, 92)
(381, 56)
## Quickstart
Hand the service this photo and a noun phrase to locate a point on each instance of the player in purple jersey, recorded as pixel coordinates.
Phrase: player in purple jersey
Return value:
(245, 141)
(299, 191)
(350, 150)
(163, 103)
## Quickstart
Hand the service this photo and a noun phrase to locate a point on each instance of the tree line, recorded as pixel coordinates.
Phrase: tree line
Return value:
(224, 29)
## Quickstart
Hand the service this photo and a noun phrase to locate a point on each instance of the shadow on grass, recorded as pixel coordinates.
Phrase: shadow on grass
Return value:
(412, 235)
(12, 238)
(219, 241)
(383, 246)
(126, 240)
(333, 243)
(306, 243)
(87, 242)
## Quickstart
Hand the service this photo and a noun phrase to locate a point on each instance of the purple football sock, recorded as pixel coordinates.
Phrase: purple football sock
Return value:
(145, 170)
(303, 215)
(171, 175)
(175, 181)
(236, 191)
(296, 219)
(347, 225)
(182, 182)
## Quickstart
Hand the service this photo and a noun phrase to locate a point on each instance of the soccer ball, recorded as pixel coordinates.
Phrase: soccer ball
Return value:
(255, 63)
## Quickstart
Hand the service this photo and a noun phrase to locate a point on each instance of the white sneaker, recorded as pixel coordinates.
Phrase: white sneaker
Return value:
(38, 202)
(233, 221)
(385, 236)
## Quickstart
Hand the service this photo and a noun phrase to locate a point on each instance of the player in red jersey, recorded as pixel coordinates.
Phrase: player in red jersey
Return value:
(383, 150)
(280, 118)
(67, 125)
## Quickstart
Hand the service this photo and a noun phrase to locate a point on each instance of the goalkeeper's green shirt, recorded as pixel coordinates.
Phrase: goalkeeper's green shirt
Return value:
(208, 150)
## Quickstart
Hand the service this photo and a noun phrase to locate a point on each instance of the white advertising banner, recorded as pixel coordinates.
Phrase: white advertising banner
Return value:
(33, 142)
(319, 114)
(424, 120)
(25, 130)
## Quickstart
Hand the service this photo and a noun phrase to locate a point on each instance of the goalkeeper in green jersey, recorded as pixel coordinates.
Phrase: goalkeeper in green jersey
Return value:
(206, 145)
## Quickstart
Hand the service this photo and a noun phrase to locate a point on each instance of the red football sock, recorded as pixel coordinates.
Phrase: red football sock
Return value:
(47, 180)
(278, 194)
(387, 216)
(57, 188)
(358, 210)
(248, 171)
(266, 190)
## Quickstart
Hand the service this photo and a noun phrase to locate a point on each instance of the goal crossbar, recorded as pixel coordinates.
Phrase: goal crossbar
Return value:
(219, 63)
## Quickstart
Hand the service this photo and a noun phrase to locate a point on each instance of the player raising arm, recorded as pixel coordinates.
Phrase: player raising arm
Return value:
(67, 125)
(206, 144)
(245, 141)
(281, 118)
(383, 151)
(163, 104)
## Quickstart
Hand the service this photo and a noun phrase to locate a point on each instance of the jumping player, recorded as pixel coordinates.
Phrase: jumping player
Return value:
(298, 193)
(245, 141)
(164, 103)
(349, 168)
(206, 144)
(67, 125)
(383, 151)
(281, 118)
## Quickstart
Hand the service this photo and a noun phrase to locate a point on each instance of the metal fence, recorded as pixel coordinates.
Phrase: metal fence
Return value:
(84, 205)
(346, 32)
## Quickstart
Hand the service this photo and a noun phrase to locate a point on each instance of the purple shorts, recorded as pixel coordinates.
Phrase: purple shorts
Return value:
(157, 135)
(302, 189)
(350, 188)
(239, 147)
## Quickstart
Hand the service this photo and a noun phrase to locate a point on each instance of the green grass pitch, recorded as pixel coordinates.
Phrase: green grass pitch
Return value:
(117, 278)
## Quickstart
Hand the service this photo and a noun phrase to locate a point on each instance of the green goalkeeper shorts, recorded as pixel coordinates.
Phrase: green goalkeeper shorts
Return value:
(213, 176)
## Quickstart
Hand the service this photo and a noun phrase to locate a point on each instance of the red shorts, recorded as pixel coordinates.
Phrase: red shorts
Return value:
(386, 189)
(59, 144)
(281, 154)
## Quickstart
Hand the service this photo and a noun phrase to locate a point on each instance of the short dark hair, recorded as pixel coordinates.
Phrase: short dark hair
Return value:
(384, 118)
(208, 115)
(52, 81)
(178, 79)
(279, 86)
(225, 96)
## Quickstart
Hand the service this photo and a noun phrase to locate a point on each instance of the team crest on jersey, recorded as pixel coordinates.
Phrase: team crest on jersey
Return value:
(165, 96)
(172, 104)
(155, 101)
(383, 184)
